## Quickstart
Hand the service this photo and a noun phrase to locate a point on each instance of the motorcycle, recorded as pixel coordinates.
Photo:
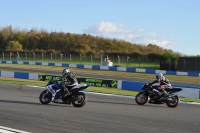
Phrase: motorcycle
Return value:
(157, 97)
(53, 94)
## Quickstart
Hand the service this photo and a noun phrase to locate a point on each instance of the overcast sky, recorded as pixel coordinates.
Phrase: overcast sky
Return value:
(171, 24)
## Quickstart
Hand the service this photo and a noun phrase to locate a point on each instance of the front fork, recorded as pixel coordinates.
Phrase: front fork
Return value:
(143, 95)
(46, 94)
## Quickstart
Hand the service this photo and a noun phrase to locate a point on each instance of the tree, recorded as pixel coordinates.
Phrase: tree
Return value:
(7, 35)
(14, 46)
(170, 56)
(1, 41)
(82, 49)
(78, 43)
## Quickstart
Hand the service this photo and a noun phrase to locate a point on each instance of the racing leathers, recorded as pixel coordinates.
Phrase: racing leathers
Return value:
(164, 84)
(69, 80)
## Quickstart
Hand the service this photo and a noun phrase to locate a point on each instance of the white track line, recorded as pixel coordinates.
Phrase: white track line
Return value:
(10, 130)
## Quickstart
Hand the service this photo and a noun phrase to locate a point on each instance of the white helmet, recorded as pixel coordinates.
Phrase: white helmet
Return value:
(159, 76)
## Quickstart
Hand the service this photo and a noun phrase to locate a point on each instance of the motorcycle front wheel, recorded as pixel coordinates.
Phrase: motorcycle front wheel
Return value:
(141, 98)
(80, 99)
(45, 97)
(173, 102)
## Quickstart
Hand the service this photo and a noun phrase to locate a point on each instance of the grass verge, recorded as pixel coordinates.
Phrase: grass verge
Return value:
(179, 78)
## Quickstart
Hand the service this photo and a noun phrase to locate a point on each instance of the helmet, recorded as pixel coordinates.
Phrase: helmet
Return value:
(65, 71)
(159, 76)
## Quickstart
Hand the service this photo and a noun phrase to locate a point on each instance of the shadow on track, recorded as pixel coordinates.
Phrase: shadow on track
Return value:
(128, 104)
(110, 102)
(31, 103)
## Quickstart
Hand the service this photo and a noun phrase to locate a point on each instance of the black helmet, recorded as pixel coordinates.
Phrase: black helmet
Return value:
(65, 71)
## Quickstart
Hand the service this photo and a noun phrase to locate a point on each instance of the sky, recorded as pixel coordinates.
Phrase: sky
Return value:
(171, 24)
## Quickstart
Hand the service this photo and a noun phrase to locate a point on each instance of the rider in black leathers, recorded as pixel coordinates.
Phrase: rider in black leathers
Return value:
(69, 80)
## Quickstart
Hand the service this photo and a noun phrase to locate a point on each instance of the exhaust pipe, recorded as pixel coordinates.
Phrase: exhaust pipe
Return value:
(172, 95)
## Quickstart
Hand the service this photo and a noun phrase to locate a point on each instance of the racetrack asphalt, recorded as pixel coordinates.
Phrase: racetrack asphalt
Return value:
(20, 109)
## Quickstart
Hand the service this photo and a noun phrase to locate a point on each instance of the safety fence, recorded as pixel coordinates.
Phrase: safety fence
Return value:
(124, 61)
(98, 67)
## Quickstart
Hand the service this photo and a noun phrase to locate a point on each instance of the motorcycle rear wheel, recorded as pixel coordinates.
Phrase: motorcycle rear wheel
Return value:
(141, 98)
(45, 97)
(80, 101)
(173, 103)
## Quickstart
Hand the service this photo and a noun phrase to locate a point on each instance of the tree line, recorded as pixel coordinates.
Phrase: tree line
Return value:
(42, 41)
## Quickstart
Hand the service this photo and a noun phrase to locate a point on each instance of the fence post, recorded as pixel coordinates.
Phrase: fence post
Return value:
(91, 58)
(61, 56)
(3, 55)
(127, 65)
(118, 60)
(196, 65)
(25, 56)
(10, 55)
(139, 61)
(101, 60)
(80, 58)
(183, 64)
(18, 58)
(33, 56)
(70, 57)
(106, 58)
(42, 56)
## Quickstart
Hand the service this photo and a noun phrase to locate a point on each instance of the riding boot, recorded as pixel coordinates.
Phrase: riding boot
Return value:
(151, 101)
(165, 93)
(66, 92)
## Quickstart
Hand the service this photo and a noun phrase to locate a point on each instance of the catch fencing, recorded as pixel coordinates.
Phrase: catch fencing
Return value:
(122, 61)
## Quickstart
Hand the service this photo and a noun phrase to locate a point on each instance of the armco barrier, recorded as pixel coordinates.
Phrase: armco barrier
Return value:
(96, 67)
(188, 91)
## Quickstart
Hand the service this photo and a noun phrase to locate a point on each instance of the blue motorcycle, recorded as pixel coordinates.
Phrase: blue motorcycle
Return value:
(53, 94)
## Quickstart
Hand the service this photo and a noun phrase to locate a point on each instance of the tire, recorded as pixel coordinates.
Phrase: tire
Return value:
(45, 97)
(141, 98)
(173, 103)
(81, 100)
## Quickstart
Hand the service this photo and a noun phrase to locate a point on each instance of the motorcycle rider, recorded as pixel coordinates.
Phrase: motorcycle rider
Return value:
(164, 84)
(68, 80)
(71, 81)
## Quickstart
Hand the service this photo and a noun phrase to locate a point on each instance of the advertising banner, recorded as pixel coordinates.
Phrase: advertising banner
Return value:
(98, 82)
(92, 81)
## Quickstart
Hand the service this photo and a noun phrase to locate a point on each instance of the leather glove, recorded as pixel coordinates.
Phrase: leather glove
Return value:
(54, 80)
(161, 87)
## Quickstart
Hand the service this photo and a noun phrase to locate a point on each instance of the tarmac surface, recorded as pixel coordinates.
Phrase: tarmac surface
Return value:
(20, 109)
